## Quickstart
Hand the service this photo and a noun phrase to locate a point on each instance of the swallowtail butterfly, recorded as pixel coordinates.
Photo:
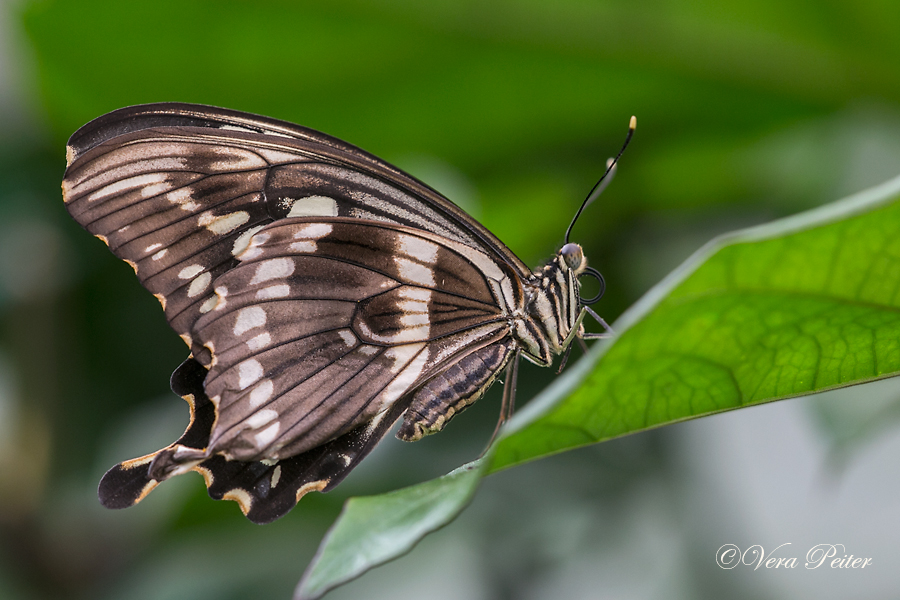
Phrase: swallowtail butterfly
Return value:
(323, 293)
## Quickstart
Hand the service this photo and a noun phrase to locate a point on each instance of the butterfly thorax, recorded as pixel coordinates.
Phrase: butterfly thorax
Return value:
(551, 305)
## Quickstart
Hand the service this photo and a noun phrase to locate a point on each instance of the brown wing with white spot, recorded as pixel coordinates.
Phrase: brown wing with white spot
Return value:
(176, 190)
(325, 324)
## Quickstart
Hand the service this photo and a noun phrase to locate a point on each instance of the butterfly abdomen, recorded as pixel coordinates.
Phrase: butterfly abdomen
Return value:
(453, 390)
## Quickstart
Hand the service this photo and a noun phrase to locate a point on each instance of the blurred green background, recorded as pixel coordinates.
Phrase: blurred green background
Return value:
(747, 111)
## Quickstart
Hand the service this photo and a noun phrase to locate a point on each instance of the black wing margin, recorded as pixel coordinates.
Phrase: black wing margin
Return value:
(264, 491)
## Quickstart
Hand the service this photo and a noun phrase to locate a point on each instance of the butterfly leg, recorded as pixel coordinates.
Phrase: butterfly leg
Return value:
(597, 336)
(508, 404)
(578, 333)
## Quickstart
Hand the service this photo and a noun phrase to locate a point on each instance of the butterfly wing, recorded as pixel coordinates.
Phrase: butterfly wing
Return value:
(206, 205)
(176, 191)
(264, 491)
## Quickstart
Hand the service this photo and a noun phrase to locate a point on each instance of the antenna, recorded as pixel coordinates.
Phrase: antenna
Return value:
(610, 167)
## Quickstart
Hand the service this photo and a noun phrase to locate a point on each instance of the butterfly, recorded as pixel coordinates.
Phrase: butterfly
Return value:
(323, 293)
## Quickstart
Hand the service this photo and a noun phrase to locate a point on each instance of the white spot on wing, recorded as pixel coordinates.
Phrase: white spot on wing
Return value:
(415, 309)
(152, 247)
(159, 254)
(314, 206)
(276, 476)
(252, 249)
(415, 320)
(276, 268)
(313, 231)
(234, 159)
(249, 373)
(347, 337)
(179, 196)
(275, 156)
(418, 248)
(401, 355)
(259, 342)
(249, 318)
(414, 272)
(415, 293)
(267, 436)
(307, 246)
(407, 376)
(215, 359)
(209, 304)
(190, 272)
(273, 291)
(261, 393)
(404, 336)
(243, 240)
(221, 293)
(199, 284)
(155, 189)
(223, 224)
(236, 128)
(260, 418)
(127, 184)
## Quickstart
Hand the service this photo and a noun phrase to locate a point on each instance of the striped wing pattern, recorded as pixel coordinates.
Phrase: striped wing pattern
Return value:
(164, 184)
(332, 321)
(318, 288)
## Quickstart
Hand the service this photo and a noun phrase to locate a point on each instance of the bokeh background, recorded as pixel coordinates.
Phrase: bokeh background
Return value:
(748, 110)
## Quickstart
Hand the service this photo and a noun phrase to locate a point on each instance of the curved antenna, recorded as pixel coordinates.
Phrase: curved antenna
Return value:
(597, 189)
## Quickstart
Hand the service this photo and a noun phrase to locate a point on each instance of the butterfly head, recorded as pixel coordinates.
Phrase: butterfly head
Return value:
(572, 258)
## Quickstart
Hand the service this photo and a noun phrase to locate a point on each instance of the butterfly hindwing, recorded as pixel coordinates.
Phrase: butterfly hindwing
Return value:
(264, 491)
(129, 482)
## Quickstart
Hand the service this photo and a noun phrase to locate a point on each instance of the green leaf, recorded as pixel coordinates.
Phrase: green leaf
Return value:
(375, 529)
(798, 306)
(795, 307)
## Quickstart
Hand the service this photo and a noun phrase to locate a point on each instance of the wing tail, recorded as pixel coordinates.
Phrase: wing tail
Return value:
(264, 490)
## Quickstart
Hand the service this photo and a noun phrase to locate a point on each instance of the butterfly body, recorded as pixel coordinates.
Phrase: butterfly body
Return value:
(322, 292)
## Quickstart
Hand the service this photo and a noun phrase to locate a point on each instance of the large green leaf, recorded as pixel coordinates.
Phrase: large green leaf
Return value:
(798, 306)
(375, 529)
(795, 307)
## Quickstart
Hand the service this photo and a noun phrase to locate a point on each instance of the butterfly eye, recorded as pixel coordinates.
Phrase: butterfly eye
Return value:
(573, 256)
(596, 275)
